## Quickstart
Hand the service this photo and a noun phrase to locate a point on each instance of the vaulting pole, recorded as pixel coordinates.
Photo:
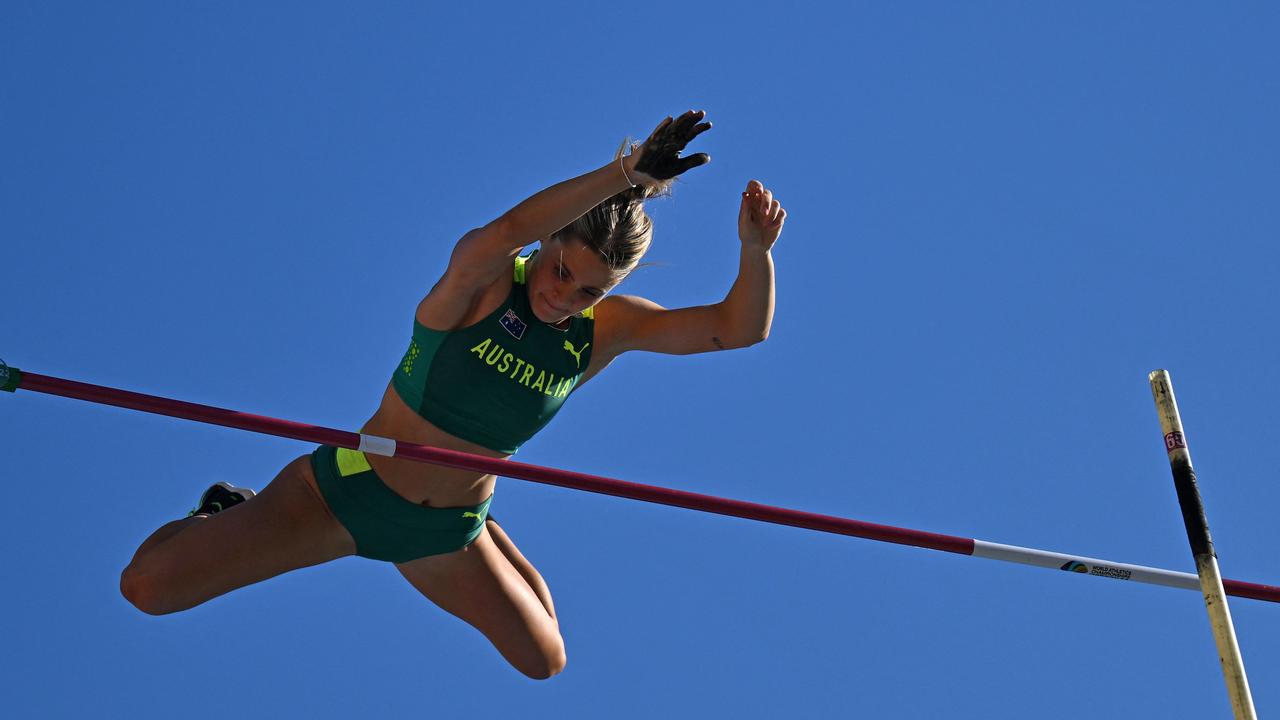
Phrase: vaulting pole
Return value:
(1193, 517)
(12, 379)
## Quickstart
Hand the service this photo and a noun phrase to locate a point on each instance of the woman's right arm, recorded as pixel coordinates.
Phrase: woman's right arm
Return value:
(484, 254)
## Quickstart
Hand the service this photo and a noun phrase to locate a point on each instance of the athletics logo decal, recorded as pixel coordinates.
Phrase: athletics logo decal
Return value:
(513, 324)
(1098, 570)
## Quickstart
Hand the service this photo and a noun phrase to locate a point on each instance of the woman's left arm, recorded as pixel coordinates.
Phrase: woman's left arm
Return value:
(741, 319)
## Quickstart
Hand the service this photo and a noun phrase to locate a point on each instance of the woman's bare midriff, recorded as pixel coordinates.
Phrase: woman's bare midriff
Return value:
(430, 485)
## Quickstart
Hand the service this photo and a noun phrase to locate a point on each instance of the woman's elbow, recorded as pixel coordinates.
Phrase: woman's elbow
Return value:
(760, 333)
(736, 342)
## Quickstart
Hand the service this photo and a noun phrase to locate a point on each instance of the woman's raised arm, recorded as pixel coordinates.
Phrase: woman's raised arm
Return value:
(743, 318)
(487, 252)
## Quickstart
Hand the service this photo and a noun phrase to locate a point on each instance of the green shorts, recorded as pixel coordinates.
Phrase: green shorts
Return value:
(385, 525)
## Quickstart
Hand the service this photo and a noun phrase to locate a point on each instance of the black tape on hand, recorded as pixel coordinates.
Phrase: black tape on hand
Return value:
(660, 156)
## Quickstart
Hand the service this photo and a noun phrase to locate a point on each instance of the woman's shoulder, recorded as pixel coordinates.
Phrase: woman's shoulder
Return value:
(619, 308)
(615, 316)
(456, 302)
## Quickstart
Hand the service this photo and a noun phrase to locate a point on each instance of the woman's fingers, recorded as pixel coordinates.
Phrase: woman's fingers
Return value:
(762, 208)
(688, 120)
(760, 216)
(687, 127)
(693, 161)
(662, 125)
(751, 201)
(758, 201)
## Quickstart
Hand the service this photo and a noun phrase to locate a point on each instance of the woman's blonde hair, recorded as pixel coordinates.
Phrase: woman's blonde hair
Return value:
(618, 228)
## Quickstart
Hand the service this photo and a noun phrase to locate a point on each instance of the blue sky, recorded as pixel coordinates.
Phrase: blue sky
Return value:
(1002, 216)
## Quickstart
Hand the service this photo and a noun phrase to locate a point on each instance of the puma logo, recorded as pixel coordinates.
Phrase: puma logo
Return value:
(471, 515)
(577, 354)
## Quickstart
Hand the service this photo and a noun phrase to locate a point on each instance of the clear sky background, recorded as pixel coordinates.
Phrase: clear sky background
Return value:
(1002, 217)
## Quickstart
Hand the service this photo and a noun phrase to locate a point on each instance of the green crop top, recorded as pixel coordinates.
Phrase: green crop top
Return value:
(498, 382)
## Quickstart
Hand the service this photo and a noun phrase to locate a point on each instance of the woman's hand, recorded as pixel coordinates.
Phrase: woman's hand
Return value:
(659, 157)
(760, 217)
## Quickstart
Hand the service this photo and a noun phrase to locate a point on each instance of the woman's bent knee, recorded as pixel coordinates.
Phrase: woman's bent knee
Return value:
(545, 665)
(143, 592)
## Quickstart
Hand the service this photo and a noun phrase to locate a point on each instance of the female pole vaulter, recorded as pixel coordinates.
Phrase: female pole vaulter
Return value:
(498, 344)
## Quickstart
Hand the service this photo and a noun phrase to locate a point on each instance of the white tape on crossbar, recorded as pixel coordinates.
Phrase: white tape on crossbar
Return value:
(377, 445)
(1085, 565)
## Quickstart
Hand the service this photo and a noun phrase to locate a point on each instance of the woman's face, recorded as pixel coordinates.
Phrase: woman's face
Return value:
(567, 277)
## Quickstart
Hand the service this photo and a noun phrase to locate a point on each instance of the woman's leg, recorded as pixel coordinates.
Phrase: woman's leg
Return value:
(285, 527)
(492, 587)
(522, 566)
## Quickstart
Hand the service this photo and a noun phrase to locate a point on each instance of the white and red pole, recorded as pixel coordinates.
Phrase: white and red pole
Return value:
(12, 379)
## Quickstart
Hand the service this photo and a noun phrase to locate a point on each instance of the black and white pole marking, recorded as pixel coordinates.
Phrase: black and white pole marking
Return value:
(1193, 516)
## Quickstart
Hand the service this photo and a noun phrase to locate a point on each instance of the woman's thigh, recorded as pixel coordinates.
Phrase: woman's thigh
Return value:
(285, 527)
(480, 585)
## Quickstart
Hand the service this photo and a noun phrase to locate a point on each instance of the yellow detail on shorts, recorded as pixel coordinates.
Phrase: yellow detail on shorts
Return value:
(351, 462)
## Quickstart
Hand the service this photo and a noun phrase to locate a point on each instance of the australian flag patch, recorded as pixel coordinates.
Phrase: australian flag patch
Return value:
(513, 324)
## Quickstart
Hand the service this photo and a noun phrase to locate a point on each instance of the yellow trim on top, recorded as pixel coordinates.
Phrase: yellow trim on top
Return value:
(351, 462)
(589, 313)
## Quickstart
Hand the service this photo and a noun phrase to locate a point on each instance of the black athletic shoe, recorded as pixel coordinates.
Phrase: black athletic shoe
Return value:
(219, 497)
